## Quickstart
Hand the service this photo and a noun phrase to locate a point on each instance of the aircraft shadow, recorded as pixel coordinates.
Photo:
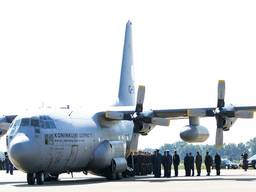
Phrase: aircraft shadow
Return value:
(148, 179)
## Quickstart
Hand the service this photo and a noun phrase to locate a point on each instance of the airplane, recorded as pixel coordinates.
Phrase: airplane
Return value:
(46, 143)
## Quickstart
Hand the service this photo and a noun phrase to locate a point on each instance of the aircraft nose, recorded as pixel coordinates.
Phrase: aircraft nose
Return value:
(23, 152)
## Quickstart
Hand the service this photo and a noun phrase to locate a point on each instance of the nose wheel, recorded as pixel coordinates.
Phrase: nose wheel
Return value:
(38, 177)
(31, 178)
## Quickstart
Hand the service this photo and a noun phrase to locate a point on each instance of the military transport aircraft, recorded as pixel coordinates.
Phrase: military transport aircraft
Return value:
(49, 142)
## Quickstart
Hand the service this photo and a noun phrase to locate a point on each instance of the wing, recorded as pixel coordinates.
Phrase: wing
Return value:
(225, 114)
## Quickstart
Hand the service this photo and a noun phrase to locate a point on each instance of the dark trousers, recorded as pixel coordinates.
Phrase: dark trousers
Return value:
(217, 171)
(176, 170)
(208, 169)
(9, 167)
(167, 171)
(198, 169)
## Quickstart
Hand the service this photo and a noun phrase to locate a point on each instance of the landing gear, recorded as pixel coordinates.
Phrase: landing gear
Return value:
(40, 178)
(31, 178)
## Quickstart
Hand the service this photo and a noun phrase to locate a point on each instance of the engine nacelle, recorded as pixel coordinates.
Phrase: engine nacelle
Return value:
(194, 133)
(229, 122)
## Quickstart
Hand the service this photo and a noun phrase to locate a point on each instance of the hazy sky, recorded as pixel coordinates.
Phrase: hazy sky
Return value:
(70, 52)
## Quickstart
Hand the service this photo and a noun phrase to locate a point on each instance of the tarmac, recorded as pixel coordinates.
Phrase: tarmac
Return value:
(229, 181)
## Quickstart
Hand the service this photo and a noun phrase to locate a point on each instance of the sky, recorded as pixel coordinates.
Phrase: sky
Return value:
(54, 53)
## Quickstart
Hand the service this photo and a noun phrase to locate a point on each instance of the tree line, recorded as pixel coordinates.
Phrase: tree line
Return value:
(229, 151)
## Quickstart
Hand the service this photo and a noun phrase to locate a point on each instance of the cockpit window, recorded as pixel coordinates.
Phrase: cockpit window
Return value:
(15, 126)
(35, 122)
(25, 122)
(47, 122)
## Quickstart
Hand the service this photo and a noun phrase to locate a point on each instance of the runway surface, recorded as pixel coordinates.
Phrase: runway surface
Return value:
(229, 181)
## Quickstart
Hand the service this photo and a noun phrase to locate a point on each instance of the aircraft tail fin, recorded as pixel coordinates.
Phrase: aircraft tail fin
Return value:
(126, 95)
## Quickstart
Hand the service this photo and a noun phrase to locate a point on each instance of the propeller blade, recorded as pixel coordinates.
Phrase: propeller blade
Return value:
(140, 99)
(114, 115)
(221, 93)
(219, 138)
(160, 121)
(244, 114)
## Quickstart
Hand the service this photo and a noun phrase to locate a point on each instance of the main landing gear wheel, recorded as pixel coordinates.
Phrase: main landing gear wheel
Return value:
(112, 175)
(40, 178)
(31, 178)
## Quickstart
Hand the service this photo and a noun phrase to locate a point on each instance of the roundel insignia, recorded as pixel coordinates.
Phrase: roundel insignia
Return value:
(131, 89)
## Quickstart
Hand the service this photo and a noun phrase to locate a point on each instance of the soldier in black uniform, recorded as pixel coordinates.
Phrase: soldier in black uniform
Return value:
(245, 161)
(169, 164)
(164, 162)
(208, 163)
(154, 162)
(158, 163)
(176, 162)
(186, 165)
(217, 161)
(198, 162)
(8, 164)
(191, 165)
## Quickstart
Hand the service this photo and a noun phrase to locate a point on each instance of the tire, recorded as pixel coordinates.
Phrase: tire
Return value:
(31, 178)
(40, 178)
(254, 165)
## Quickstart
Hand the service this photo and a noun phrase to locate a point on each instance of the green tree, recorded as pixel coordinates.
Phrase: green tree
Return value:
(251, 145)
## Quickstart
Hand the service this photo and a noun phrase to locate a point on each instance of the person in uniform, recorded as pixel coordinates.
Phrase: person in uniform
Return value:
(217, 161)
(191, 165)
(186, 165)
(169, 164)
(208, 163)
(158, 163)
(1, 164)
(164, 162)
(245, 161)
(8, 164)
(198, 162)
(176, 162)
(153, 161)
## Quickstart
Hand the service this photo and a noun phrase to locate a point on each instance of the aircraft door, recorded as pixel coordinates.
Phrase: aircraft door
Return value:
(71, 160)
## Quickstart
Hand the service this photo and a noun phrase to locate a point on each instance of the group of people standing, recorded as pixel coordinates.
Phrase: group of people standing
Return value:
(189, 161)
(166, 160)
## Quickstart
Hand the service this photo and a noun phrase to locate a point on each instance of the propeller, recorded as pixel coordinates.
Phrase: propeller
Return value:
(220, 119)
(222, 113)
(139, 117)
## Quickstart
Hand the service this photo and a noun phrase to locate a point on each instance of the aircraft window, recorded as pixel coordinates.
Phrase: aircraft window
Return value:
(41, 123)
(35, 122)
(52, 124)
(47, 122)
(15, 126)
(25, 122)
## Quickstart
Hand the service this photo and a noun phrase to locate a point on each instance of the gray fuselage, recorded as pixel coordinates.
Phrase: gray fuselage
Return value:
(61, 142)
